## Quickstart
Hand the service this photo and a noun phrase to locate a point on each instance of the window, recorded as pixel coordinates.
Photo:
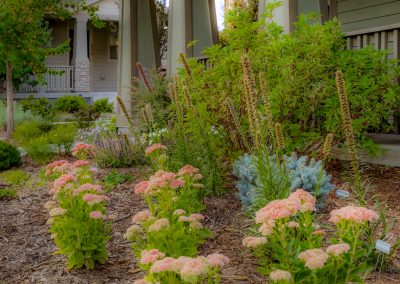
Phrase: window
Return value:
(113, 43)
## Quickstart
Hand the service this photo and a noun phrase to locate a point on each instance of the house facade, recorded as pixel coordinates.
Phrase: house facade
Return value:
(90, 68)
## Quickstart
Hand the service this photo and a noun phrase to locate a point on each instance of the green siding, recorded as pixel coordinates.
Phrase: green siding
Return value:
(367, 14)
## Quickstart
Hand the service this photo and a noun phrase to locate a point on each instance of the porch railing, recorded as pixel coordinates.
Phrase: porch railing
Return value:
(58, 79)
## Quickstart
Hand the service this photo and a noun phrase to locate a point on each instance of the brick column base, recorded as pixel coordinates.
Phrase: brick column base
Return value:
(82, 75)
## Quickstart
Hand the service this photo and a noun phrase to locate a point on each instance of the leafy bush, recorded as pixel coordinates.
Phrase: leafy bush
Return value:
(103, 106)
(8, 193)
(113, 179)
(63, 136)
(39, 149)
(290, 243)
(14, 177)
(253, 192)
(86, 117)
(298, 69)
(117, 151)
(70, 104)
(77, 216)
(20, 115)
(38, 106)
(31, 129)
(9, 156)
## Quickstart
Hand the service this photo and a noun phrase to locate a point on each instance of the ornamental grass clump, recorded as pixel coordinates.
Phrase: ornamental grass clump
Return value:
(292, 249)
(77, 214)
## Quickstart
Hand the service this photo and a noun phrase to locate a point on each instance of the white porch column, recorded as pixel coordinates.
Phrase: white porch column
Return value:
(80, 57)
(138, 43)
(284, 15)
(190, 20)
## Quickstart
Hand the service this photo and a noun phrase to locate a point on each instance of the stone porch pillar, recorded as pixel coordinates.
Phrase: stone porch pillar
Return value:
(80, 57)
(190, 20)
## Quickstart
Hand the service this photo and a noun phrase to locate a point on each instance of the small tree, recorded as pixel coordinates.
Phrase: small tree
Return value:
(25, 40)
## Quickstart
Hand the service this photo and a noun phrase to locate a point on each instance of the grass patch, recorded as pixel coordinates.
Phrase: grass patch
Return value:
(113, 179)
(8, 193)
(14, 177)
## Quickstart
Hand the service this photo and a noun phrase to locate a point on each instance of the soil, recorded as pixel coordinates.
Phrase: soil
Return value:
(27, 252)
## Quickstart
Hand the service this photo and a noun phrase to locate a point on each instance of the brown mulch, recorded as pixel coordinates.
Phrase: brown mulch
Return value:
(26, 250)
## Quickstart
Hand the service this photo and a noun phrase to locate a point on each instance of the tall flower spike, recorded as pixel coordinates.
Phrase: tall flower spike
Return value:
(235, 120)
(144, 116)
(143, 76)
(326, 150)
(348, 131)
(267, 105)
(185, 64)
(188, 100)
(174, 98)
(124, 111)
(250, 90)
(280, 142)
(149, 113)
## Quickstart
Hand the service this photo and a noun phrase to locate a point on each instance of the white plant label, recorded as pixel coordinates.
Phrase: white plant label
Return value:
(342, 193)
(383, 246)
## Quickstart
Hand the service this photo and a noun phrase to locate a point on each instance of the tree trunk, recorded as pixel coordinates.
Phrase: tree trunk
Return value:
(10, 101)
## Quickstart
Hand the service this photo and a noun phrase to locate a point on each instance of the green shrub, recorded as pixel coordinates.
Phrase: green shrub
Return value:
(14, 177)
(9, 156)
(63, 136)
(38, 106)
(30, 129)
(7, 193)
(86, 117)
(70, 104)
(20, 115)
(103, 106)
(39, 150)
(113, 179)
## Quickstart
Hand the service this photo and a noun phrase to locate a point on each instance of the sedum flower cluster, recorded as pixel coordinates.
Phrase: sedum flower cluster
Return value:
(165, 237)
(291, 245)
(77, 213)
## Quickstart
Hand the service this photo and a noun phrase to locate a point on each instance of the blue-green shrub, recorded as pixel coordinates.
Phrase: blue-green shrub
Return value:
(302, 174)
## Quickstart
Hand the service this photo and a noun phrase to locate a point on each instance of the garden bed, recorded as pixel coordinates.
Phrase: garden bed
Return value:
(27, 250)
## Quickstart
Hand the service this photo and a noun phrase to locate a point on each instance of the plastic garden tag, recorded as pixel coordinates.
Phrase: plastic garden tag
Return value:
(383, 246)
(342, 193)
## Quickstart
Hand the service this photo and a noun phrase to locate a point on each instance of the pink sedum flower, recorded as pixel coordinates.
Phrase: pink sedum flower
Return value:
(141, 281)
(141, 216)
(155, 148)
(314, 258)
(267, 228)
(50, 205)
(141, 187)
(188, 170)
(151, 256)
(180, 262)
(305, 199)
(82, 148)
(132, 231)
(218, 260)
(165, 264)
(354, 214)
(194, 268)
(80, 164)
(63, 181)
(293, 224)
(280, 275)
(319, 232)
(176, 183)
(92, 199)
(159, 224)
(252, 242)
(179, 212)
(338, 249)
(277, 209)
(96, 215)
(57, 212)
(196, 217)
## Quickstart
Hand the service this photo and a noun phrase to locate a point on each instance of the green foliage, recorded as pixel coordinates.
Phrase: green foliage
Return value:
(70, 104)
(9, 156)
(113, 179)
(39, 150)
(38, 106)
(20, 115)
(30, 129)
(103, 106)
(117, 151)
(14, 177)
(86, 117)
(77, 219)
(62, 136)
(298, 69)
(8, 193)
